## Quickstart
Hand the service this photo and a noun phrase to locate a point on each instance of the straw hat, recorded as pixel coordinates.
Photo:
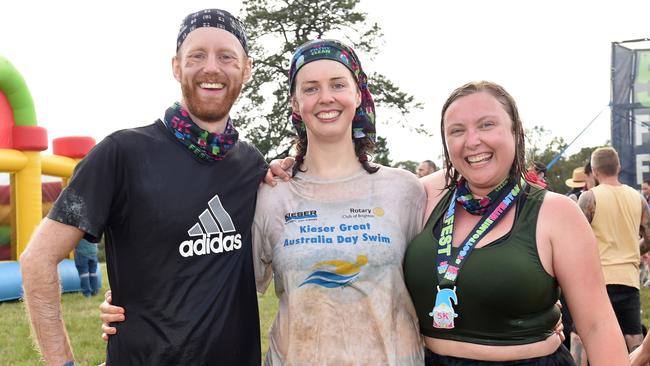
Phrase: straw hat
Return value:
(578, 179)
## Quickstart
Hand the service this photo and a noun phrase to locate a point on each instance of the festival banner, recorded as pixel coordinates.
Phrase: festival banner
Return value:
(630, 107)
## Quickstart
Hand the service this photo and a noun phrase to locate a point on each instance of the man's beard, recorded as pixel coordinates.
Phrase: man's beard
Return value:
(208, 109)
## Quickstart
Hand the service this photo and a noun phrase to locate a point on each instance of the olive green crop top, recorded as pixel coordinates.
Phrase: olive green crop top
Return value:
(505, 297)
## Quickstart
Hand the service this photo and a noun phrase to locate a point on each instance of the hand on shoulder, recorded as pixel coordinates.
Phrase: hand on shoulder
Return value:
(279, 170)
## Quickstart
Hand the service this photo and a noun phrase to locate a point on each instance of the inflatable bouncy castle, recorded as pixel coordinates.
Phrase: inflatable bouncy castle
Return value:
(23, 202)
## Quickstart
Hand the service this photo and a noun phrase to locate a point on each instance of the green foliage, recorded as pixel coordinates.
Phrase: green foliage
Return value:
(410, 165)
(276, 28)
(380, 156)
(645, 305)
(563, 168)
(535, 138)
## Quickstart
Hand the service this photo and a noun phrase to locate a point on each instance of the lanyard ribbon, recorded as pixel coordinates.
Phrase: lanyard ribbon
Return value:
(448, 271)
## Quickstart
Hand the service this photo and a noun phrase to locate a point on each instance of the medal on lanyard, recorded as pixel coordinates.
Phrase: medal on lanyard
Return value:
(443, 312)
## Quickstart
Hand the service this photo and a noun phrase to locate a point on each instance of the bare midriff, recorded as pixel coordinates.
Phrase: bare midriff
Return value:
(446, 347)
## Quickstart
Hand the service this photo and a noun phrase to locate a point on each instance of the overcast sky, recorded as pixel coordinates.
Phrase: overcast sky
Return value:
(96, 67)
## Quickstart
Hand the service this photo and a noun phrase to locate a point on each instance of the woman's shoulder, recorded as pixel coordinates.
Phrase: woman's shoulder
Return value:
(268, 194)
(434, 184)
(552, 203)
(399, 181)
(399, 173)
(553, 198)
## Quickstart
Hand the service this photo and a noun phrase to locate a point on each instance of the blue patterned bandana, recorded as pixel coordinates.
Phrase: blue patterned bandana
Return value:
(215, 18)
(363, 124)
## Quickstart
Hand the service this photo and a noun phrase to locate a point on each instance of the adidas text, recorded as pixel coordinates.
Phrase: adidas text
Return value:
(208, 244)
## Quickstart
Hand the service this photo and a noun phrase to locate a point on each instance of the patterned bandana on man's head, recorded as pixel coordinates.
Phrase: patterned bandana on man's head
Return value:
(215, 18)
(205, 145)
(473, 205)
(363, 124)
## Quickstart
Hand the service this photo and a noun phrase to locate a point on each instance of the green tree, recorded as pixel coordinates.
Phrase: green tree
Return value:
(562, 169)
(409, 165)
(380, 156)
(276, 28)
(535, 147)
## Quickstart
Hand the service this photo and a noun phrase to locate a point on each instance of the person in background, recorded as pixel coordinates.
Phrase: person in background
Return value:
(485, 272)
(577, 183)
(425, 168)
(536, 173)
(85, 259)
(618, 216)
(590, 182)
(645, 257)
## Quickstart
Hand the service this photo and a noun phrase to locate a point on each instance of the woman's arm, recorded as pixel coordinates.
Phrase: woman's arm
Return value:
(576, 264)
(262, 249)
(109, 313)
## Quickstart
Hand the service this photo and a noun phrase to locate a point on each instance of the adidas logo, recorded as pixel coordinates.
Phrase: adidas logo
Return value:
(213, 228)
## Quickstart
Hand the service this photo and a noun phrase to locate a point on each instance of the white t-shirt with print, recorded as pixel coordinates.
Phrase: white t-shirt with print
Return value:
(335, 250)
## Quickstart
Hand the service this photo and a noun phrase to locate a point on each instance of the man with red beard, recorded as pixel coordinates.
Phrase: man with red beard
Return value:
(175, 201)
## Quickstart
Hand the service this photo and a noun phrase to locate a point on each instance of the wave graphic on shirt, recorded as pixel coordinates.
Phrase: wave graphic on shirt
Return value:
(335, 273)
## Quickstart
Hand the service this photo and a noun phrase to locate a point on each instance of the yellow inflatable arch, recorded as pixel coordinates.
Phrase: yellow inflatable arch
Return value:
(21, 144)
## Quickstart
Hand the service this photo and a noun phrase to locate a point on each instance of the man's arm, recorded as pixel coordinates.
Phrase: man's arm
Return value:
(49, 245)
(587, 203)
(644, 228)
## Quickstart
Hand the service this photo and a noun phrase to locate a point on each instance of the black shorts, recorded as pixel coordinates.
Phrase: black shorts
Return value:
(561, 357)
(627, 307)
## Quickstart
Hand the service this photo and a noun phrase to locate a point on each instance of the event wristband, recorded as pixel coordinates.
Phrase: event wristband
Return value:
(71, 363)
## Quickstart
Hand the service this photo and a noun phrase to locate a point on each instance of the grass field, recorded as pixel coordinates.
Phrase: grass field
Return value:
(81, 315)
(82, 321)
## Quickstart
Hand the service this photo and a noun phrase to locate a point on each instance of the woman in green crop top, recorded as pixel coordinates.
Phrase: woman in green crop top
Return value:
(484, 274)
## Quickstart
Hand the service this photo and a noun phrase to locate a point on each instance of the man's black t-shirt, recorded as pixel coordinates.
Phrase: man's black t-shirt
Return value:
(178, 246)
